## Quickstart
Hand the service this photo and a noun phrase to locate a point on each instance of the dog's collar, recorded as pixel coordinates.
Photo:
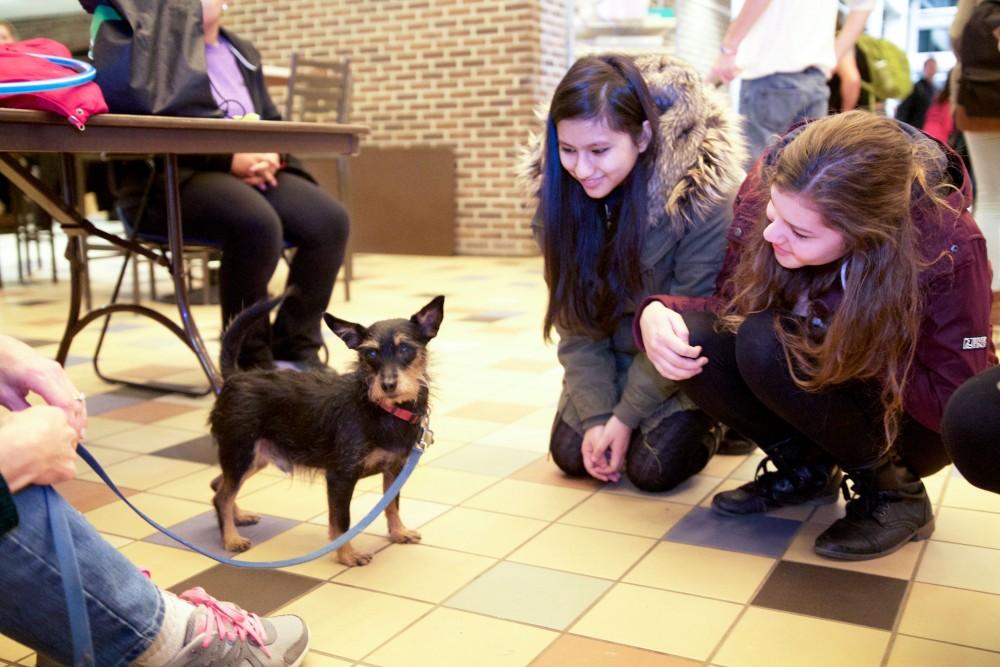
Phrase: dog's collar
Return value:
(401, 413)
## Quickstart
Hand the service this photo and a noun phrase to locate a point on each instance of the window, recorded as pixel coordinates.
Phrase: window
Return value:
(933, 39)
(929, 4)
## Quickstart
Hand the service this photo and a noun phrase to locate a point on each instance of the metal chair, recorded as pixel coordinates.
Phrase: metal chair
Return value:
(320, 91)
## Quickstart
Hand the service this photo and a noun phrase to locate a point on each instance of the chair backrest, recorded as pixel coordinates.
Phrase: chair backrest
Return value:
(318, 90)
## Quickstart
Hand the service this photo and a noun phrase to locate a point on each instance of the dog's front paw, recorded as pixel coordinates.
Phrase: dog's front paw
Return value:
(246, 519)
(404, 536)
(237, 544)
(352, 558)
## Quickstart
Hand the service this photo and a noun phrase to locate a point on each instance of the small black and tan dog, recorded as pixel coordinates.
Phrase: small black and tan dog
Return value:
(349, 426)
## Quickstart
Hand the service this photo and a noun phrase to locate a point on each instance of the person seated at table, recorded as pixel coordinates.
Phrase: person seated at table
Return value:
(250, 204)
(132, 621)
(856, 300)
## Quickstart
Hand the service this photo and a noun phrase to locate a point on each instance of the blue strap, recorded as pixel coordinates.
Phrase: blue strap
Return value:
(86, 72)
(79, 622)
(390, 494)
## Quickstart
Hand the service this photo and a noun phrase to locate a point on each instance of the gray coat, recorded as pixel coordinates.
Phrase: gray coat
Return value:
(699, 171)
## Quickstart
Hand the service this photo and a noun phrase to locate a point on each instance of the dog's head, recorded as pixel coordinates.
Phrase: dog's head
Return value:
(393, 353)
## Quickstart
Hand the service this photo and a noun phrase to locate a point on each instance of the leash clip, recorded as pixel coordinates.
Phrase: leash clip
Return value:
(426, 438)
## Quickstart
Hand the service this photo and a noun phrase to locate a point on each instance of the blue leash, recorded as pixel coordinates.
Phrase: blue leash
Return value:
(390, 494)
(79, 622)
(86, 72)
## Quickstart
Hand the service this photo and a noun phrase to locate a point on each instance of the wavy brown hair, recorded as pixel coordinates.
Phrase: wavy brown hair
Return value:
(863, 174)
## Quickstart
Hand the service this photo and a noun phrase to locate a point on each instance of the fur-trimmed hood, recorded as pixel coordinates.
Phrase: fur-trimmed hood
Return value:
(702, 149)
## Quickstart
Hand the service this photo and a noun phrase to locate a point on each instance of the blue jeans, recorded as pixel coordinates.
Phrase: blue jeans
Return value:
(772, 103)
(125, 608)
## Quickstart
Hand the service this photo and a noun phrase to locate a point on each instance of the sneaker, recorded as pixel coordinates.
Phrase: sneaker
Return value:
(223, 635)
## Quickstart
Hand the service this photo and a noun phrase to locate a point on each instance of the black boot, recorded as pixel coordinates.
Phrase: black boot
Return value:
(800, 476)
(734, 444)
(889, 508)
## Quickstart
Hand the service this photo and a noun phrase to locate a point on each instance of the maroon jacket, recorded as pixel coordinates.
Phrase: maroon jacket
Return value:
(955, 339)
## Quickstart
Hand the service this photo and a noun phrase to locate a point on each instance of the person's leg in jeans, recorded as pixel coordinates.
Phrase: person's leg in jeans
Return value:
(984, 153)
(671, 446)
(125, 608)
(317, 226)
(771, 104)
(131, 620)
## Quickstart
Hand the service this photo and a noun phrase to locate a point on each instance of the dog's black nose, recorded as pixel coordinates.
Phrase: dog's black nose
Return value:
(388, 386)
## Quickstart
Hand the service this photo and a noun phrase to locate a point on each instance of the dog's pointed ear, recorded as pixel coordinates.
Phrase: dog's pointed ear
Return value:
(352, 334)
(430, 316)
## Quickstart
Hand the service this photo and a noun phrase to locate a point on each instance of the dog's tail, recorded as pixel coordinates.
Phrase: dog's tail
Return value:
(236, 331)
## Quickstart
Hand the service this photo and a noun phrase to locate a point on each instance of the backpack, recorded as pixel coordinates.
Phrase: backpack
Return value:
(979, 85)
(888, 67)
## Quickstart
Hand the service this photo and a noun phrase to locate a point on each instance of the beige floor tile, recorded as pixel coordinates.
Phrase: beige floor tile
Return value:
(350, 622)
(573, 650)
(690, 492)
(119, 519)
(953, 524)
(105, 456)
(460, 429)
(491, 410)
(970, 618)
(99, 427)
(148, 412)
(196, 485)
(297, 498)
(960, 566)
(544, 471)
(959, 493)
(531, 438)
(626, 514)
(147, 439)
(712, 573)
(722, 466)
(195, 421)
(916, 652)
(528, 499)
(583, 550)
(117, 541)
(315, 659)
(657, 620)
(167, 565)
(414, 512)
(480, 532)
(12, 651)
(447, 637)
(144, 472)
(416, 571)
(803, 641)
(441, 485)
(899, 565)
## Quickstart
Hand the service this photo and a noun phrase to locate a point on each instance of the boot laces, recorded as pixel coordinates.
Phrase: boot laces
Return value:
(768, 481)
(862, 497)
(225, 620)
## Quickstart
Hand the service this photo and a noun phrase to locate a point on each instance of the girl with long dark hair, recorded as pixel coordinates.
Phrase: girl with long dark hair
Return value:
(635, 181)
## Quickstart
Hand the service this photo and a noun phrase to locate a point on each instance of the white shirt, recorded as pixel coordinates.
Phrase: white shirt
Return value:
(792, 36)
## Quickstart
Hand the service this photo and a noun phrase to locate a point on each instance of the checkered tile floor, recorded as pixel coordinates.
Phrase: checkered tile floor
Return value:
(518, 565)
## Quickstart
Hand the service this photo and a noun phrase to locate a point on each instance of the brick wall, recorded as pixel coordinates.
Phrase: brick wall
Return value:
(466, 74)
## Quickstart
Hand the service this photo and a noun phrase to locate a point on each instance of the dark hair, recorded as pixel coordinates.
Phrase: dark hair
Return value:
(592, 258)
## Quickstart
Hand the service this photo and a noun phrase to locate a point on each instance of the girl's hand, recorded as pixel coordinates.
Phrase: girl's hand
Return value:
(604, 449)
(665, 336)
(24, 371)
(256, 169)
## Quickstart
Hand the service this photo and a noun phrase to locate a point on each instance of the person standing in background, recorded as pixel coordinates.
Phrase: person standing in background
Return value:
(913, 110)
(784, 51)
(975, 39)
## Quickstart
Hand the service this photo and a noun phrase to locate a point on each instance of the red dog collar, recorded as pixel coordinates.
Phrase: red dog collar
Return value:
(401, 413)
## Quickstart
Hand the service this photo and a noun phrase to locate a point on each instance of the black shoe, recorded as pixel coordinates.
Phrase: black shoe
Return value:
(734, 444)
(816, 483)
(890, 508)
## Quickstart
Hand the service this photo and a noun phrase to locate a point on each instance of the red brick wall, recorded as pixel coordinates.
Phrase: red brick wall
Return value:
(467, 74)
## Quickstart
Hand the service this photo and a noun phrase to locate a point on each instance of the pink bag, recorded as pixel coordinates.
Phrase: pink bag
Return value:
(21, 62)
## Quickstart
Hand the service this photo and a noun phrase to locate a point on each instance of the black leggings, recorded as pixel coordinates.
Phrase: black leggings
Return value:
(747, 386)
(678, 447)
(251, 226)
(970, 428)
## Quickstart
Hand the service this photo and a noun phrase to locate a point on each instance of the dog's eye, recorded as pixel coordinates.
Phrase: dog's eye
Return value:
(371, 355)
(404, 348)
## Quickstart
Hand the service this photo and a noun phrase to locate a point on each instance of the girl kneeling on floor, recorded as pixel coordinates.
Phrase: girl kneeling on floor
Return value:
(854, 299)
(635, 178)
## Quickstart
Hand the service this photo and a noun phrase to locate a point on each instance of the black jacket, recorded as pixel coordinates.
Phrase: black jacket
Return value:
(913, 110)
